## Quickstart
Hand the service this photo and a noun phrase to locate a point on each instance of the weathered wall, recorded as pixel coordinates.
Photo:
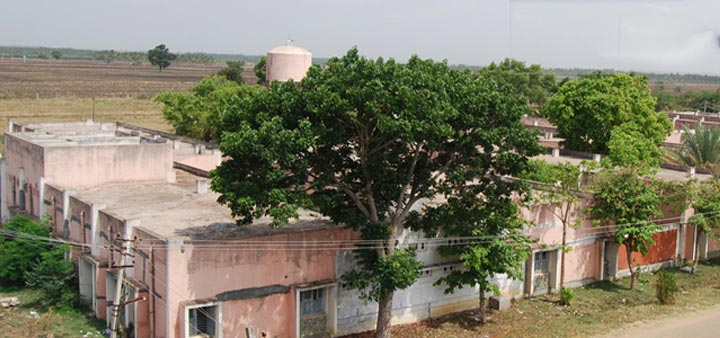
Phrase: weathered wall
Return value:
(273, 316)
(22, 154)
(663, 250)
(54, 208)
(197, 272)
(87, 166)
(80, 230)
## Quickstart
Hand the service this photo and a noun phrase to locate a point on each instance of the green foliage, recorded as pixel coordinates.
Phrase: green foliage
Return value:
(629, 147)
(55, 276)
(586, 111)
(160, 56)
(665, 287)
(567, 295)
(531, 83)
(107, 56)
(364, 141)
(56, 54)
(385, 275)
(706, 204)
(261, 70)
(700, 149)
(693, 100)
(19, 253)
(233, 72)
(624, 199)
(199, 113)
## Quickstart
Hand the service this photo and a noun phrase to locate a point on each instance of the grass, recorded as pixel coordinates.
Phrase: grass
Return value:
(31, 320)
(597, 309)
(143, 112)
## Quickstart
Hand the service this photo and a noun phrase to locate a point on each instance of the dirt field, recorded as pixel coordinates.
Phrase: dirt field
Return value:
(86, 79)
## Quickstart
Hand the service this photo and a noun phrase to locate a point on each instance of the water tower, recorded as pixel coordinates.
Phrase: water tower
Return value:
(288, 62)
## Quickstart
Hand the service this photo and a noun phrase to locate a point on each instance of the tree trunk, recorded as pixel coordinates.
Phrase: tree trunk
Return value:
(630, 266)
(562, 255)
(384, 315)
(482, 307)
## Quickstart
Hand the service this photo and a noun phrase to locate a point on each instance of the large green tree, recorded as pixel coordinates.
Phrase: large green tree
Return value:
(364, 142)
(18, 251)
(530, 82)
(626, 202)
(199, 113)
(586, 111)
(160, 56)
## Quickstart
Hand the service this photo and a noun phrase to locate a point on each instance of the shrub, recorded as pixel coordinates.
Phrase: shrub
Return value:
(55, 276)
(19, 253)
(566, 296)
(666, 287)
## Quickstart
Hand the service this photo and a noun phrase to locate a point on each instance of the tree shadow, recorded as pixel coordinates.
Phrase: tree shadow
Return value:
(607, 286)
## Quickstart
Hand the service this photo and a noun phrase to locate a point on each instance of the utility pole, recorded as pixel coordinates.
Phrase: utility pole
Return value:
(118, 302)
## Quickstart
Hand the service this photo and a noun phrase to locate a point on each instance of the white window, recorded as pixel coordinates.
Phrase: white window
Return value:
(541, 262)
(203, 321)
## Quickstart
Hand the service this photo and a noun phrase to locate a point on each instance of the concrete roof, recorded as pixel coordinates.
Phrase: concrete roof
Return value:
(79, 134)
(664, 174)
(177, 211)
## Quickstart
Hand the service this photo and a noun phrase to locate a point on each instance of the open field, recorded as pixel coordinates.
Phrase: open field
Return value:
(86, 79)
(145, 113)
(597, 309)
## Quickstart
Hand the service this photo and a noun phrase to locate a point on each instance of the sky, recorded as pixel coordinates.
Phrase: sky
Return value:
(643, 35)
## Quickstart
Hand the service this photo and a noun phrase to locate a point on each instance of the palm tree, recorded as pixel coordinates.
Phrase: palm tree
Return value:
(700, 149)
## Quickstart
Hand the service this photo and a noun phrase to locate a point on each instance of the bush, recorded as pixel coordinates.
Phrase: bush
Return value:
(666, 287)
(55, 276)
(20, 254)
(566, 296)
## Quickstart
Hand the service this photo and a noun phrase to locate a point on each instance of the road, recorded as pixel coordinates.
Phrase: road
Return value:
(702, 324)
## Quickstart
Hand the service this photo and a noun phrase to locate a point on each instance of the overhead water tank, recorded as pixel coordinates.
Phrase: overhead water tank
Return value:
(288, 62)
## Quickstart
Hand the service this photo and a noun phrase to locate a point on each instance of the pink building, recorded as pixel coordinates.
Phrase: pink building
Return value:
(136, 199)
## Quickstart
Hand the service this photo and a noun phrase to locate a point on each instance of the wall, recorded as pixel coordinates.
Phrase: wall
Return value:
(663, 250)
(202, 272)
(87, 166)
(22, 154)
(54, 208)
(583, 262)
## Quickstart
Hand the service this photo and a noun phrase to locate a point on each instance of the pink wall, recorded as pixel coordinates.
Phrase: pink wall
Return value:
(79, 217)
(86, 166)
(583, 262)
(22, 154)
(54, 208)
(278, 312)
(203, 272)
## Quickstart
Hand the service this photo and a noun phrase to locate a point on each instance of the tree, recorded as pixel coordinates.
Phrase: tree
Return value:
(261, 70)
(106, 55)
(629, 147)
(700, 149)
(19, 253)
(560, 195)
(586, 111)
(530, 82)
(233, 71)
(55, 276)
(199, 113)
(160, 56)
(56, 54)
(628, 202)
(363, 142)
(706, 203)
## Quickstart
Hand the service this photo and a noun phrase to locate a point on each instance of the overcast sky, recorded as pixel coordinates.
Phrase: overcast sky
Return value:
(644, 35)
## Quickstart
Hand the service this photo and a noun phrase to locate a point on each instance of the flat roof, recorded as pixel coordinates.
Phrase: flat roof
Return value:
(663, 173)
(87, 133)
(176, 210)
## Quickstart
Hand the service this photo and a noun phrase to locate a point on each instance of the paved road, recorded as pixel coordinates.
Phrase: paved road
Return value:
(703, 324)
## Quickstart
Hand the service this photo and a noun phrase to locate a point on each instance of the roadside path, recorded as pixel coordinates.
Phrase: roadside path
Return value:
(700, 324)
